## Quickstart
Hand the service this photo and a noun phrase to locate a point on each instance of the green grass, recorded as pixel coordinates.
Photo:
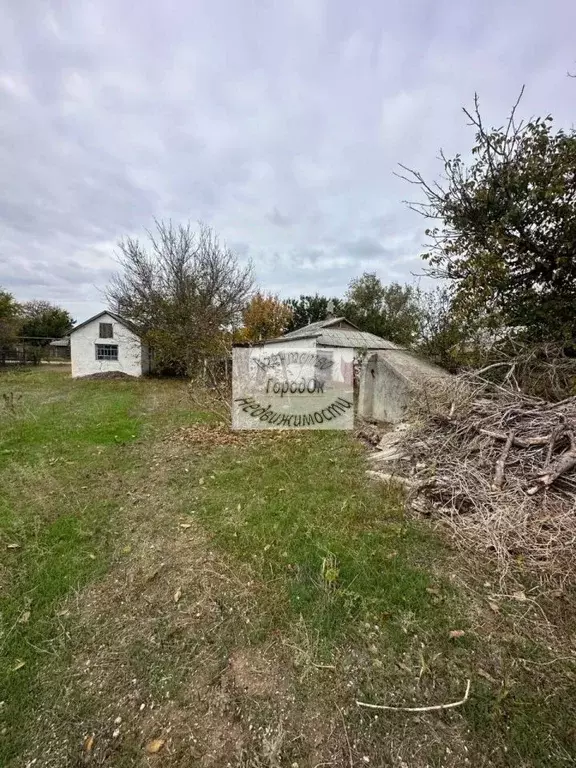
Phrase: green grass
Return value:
(302, 511)
(64, 454)
(335, 552)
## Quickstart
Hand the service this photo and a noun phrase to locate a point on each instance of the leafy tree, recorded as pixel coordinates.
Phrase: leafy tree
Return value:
(442, 338)
(265, 317)
(310, 309)
(391, 311)
(9, 323)
(42, 322)
(185, 291)
(506, 232)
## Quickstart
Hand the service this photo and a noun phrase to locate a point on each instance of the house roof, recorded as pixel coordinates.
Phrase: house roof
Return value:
(119, 319)
(314, 329)
(337, 332)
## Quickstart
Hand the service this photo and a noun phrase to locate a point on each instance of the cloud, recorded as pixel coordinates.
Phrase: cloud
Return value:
(275, 217)
(365, 247)
(280, 124)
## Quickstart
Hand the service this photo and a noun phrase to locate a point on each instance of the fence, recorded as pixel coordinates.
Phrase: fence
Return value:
(27, 350)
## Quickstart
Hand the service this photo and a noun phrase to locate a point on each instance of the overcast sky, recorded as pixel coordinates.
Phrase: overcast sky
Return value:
(278, 122)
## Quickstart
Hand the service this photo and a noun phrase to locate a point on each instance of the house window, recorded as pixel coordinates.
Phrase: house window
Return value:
(106, 351)
(106, 331)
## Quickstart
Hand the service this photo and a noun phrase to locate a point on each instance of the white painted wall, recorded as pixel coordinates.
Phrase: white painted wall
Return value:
(132, 354)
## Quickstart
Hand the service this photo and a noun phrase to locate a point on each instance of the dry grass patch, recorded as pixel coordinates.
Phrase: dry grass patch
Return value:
(173, 645)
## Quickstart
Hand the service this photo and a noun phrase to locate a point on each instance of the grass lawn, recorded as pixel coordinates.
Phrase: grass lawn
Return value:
(175, 594)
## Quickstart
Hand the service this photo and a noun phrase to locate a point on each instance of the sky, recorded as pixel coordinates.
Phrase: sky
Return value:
(280, 123)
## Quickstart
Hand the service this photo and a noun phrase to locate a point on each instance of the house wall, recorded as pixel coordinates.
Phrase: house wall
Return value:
(145, 359)
(83, 349)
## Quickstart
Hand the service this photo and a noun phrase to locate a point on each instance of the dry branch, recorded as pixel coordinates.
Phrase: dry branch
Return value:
(499, 468)
(501, 463)
(433, 708)
(517, 441)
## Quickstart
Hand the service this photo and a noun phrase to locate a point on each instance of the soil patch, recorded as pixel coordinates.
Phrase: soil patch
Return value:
(106, 375)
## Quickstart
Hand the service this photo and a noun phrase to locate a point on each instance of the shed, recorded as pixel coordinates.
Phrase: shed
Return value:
(390, 375)
(108, 342)
(59, 349)
(334, 332)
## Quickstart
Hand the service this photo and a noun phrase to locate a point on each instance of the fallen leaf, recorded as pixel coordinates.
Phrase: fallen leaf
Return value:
(457, 633)
(520, 596)
(19, 664)
(89, 743)
(154, 746)
(25, 618)
(177, 595)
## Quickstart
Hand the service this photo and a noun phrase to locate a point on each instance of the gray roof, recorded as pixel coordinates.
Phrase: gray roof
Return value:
(337, 332)
(355, 339)
(118, 318)
(314, 329)
(411, 367)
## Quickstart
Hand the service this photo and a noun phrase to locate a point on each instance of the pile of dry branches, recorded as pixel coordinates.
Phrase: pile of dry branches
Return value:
(500, 468)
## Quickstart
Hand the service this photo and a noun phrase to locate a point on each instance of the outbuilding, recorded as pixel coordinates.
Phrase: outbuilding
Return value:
(388, 375)
(333, 332)
(108, 343)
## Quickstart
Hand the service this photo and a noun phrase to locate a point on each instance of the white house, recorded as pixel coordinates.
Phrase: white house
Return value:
(107, 342)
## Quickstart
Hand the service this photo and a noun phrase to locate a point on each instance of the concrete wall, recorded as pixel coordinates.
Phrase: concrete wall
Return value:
(384, 394)
(389, 380)
(131, 352)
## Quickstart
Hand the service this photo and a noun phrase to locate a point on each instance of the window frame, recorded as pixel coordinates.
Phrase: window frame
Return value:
(105, 325)
(105, 358)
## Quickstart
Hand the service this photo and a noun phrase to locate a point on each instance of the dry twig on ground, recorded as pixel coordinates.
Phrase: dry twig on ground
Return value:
(432, 708)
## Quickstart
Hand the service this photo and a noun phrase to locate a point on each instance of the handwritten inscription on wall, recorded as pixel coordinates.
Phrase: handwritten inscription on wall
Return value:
(291, 388)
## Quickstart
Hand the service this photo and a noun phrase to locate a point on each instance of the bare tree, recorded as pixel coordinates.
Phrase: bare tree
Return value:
(184, 291)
